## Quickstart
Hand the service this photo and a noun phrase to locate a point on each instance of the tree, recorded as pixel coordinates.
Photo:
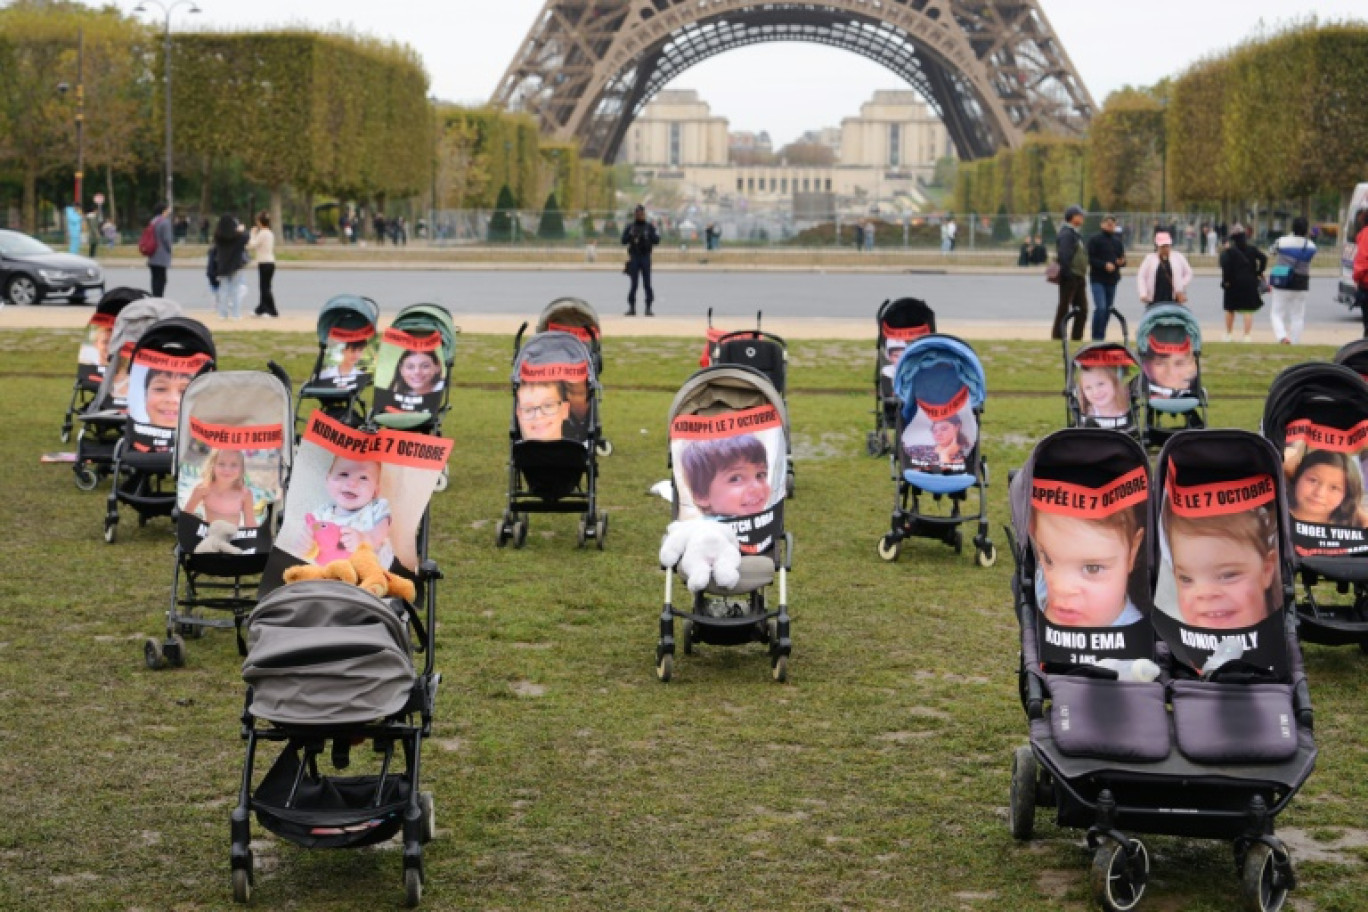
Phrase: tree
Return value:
(462, 168)
(1125, 148)
(808, 154)
(1002, 227)
(552, 225)
(501, 223)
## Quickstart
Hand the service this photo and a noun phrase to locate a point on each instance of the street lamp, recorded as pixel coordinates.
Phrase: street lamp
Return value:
(167, 10)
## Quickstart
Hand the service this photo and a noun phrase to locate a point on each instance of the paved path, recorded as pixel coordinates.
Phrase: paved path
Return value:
(796, 304)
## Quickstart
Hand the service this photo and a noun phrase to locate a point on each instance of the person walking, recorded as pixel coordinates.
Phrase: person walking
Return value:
(1073, 274)
(640, 237)
(230, 255)
(1291, 279)
(1164, 275)
(262, 247)
(160, 258)
(1106, 256)
(1242, 269)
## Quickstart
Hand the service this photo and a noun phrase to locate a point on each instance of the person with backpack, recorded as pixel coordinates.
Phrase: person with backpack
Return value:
(155, 244)
(1290, 278)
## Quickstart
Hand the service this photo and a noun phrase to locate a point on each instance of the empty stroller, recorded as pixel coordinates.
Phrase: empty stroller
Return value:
(728, 438)
(1169, 341)
(899, 322)
(93, 355)
(553, 439)
(328, 661)
(1317, 416)
(233, 451)
(941, 387)
(164, 361)
(102, 421)
(580, 320)
(346, 359)
(413, 370)
(1203, 732)
(1099, 382)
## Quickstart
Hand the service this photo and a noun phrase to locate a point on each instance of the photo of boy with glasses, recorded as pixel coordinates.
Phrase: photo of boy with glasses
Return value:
(543, 411)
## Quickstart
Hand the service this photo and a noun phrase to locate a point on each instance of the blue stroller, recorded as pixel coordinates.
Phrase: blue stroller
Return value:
(941, 385)
(1169, 342)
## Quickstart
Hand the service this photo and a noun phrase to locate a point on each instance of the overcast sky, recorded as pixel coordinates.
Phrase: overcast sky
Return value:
(784, 88)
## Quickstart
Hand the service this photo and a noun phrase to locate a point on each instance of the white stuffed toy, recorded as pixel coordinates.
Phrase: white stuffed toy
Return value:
(705, 551)
(218, 539)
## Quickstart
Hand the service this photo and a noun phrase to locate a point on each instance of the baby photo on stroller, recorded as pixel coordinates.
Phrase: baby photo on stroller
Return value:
(1102, 385)
(155, 384)
(1169, 363)
(731, 468)
(230, 474)
(940, 436)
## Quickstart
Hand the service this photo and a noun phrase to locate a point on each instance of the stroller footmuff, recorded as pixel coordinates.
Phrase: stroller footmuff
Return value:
(330, 665)
(1100, 382)
(900, 322)
(553, 439)
(102, 420)
(93, 355)
(1160, 673)
(1169, 342)
(728, 438)
(165, 360)
(345, 363)
(1317, 414)
(941, 390)
(233, 452)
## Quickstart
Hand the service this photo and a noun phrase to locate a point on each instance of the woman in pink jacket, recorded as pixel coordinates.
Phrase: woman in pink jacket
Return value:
(1164, 275)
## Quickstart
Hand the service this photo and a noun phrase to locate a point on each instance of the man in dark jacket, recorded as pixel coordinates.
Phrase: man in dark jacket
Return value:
(1073, 275)
(639, 238)
(1106, 256)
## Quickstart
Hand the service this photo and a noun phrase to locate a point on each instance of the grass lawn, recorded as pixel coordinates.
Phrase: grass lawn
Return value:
(566, 775)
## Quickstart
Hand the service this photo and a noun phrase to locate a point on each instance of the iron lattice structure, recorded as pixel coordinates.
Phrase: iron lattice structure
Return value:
(993, 70)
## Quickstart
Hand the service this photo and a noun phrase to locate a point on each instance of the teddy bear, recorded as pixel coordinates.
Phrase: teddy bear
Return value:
(705, 552)
(362, 569)
(218, 539)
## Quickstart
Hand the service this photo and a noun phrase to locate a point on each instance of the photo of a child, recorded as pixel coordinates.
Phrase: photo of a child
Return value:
(893, 349)
(95, 350)
(1169, 363)
(728, 476)
(942, 443)
(542, 410)
(223, 492)
(345, 360)
(1326, 488)
(356, 511)
(1102, 391)
(1224, 568)
(155, 395)
(417, 374)
(1084, 567)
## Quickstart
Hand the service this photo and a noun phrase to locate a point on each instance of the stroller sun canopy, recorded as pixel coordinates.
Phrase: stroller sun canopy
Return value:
(937, 369)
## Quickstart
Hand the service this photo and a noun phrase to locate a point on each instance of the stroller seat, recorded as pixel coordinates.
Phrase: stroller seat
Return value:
(936, 483)
(757, 572)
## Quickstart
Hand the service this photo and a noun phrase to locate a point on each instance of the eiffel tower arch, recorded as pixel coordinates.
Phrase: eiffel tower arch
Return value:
(993, 70)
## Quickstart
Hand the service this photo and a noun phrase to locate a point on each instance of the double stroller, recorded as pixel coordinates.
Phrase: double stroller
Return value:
(729, 437)
(164, 361)
(233, 450)
(331, 666)
(93, 355)
(941, 389)
(345, 363)
(102, 420)
(1316, 415)
(1160, 671)
(1169, 342)
(1100, 382)
(554, 437)
(900, 322)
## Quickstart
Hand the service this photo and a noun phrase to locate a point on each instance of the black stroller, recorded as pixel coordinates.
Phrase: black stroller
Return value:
(102, 420)
(330, 665)
(728, 436)
(578, 318)
(233, 451)
(1100, 382)
(899, 322)
(165, 360)
(1354, 356)
(94, 353)
(553, 437)
(941, 389)
(1317, 415)
(1169, 342)
(1183, 713)
(346, 358)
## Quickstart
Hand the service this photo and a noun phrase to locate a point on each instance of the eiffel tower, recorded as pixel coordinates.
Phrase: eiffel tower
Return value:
(993, 70)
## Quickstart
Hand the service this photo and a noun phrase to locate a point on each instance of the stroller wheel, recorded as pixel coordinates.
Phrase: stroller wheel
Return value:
(87, 479)
(582, 533)
(413, 887)
(1264, 880)
(889, 548)
(174, 650)
(428, 806)
(601, 530)
(109, 532)
(790, 485)
(873, 446)
(665, 668)
(688, 636)
(780, 669)
(520, 533)
(1118, 881)
(191, 630)
(66, 431)
(957, 540)
(1022, 806)
(442, 480)
(152, 654)
(242, 886)
(986, 556)
(605, 448)
(502, 533)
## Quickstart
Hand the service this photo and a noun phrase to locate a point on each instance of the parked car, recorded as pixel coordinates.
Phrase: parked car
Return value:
(32, 272)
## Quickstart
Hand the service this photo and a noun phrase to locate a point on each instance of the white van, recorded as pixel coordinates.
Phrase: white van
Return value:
(1359, 200)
